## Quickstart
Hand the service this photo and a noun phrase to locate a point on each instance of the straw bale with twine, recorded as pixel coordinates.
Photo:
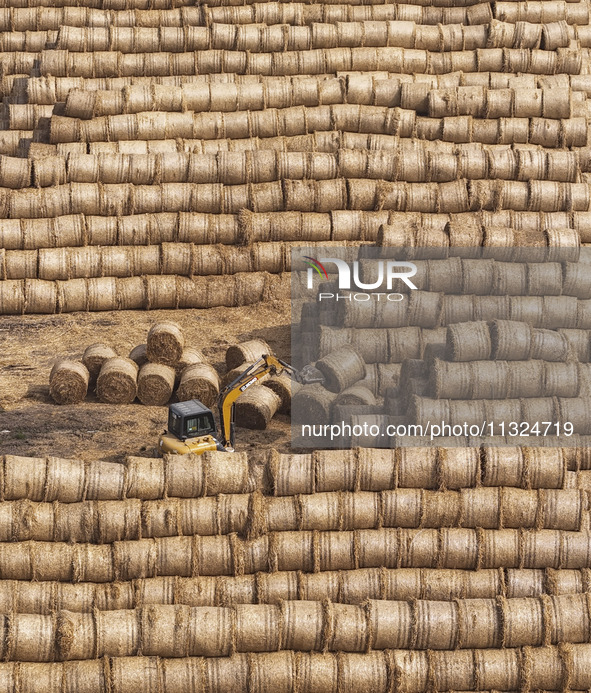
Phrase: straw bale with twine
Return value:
(279, 670)
(341, 369)
(117, 381)
(256, 407)
(155, 384)
(68, 382)
(469, 341)
(284, 387)
(312, 403)
(94, 357)
(246, 352)
(165, 343)
(199, 381)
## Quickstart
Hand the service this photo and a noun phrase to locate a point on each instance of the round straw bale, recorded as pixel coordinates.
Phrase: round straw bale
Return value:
(510, 340)
(341, 369)
(199, 381)
(451, 380)
(579, 344)
(538, 409)
(283, 386)
(155, 384)
(509, 278)
(94, 357)
(139, 355)
(561, 379)
(526, 378)
(373, 430)
(189, 357)
(249, 351)
(165, 343)
(256, 407)
(344, 412)
(422, 410)
(356, 395)
(117, 381)
(312, 404)
(68, 382)
(468, 341)
(549, 345)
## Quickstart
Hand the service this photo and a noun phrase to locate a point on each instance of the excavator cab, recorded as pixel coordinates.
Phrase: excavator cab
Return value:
(190, 419)
(191, 425)
(191, 428)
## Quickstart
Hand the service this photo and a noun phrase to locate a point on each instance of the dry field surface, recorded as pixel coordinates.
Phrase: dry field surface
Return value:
(32, 424)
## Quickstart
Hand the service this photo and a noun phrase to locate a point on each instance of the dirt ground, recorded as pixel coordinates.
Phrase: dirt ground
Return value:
(32, 424)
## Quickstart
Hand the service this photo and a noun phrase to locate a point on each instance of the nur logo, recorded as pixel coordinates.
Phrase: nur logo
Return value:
(387, 272)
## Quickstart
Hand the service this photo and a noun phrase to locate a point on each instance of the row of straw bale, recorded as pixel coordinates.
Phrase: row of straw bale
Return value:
(72, 481)
(476, 240)
(185, 259)
(281, 37)
(536, 12)
(294, 195)
(527, 669)
(346, 587)
(239, 168)
(417, 162)
(377, 345)
(424, 309)
(301, 120)
(464, 160)
(474, 158)
(466, 549)
(49, 90)
(137, 293)
(500, 380)
(535, 275)
(305, 626)
(104, 522)
(476, 229)
(26, 116)
(514, 341)
(540, 276)
(380, 347)
(327, 142)
(23, 17)
(520, 99)
(63, 63)
(107, 4)
(20, 17)
(378, 378)
(537, 413)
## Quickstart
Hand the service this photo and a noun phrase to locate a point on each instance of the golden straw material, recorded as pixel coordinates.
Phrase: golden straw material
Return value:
(117, 381)
(458, 548)
(341, 369)
(348, 587)
(246, 352)
(256, 407)
(68, 382)
(199, 381)
(94, 357)
(155, 384)
(165, 343)
(280, 670)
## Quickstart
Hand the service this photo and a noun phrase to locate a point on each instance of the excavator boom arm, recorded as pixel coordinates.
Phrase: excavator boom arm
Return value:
(266, 364)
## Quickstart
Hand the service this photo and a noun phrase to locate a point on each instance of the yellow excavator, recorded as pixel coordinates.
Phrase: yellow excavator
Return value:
(191, 425)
